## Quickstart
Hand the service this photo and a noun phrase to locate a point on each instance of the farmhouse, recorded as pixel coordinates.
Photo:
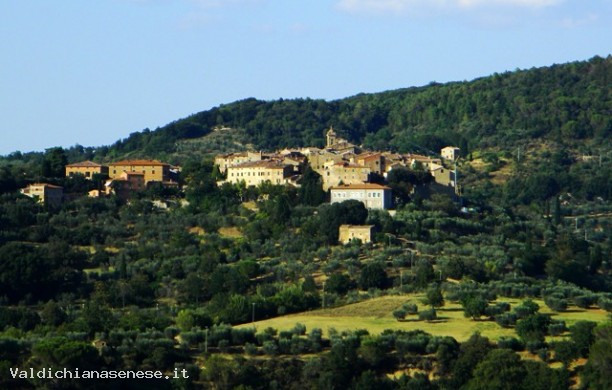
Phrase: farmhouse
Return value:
(361, 232)
(152, 170)
(86, 168)
(45, 193)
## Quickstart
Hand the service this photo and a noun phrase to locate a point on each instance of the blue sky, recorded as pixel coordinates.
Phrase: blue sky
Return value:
(91, 72)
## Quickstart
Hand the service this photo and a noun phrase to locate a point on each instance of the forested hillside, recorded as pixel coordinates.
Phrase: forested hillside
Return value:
(569, 102)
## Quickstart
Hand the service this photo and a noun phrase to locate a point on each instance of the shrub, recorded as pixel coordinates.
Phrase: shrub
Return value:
(270, 347)
(250, 349)
(556, 304)
(506, 320)
(556, 328)
(584, 301)
(399, 314)
(526, 309)
(299, 329)
(428, 315)
(605, 304)
(511, 343)
(411, 308)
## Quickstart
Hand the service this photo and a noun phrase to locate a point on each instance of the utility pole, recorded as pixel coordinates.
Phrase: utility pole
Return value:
(576, 224)
(206, 340)
(324, 294)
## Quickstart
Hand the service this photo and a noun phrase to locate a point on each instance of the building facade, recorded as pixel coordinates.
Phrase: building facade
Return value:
(347, 233)
(450, 153)
(344, 173)
(224, 161)
(86, 168)
(373, 196)
(152, 170)
(258, 172)
(45, 193)
(126, 184)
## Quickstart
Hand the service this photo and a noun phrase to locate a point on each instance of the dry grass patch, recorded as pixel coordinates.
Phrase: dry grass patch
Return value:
(231, 232)
(198, 231)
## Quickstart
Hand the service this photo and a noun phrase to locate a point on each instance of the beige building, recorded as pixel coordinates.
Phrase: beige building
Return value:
(374, 161)
(126, 184)
(344, 173)
(450, 153)
(258, 172)
(152, 170)
(86, 168)
(427, 163)
(443, 176)
(373, 196)
(45, 193)
(223, 161)
(347, 233)
(319, 159)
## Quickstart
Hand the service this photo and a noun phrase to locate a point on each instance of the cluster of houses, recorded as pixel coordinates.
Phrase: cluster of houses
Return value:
(347, 171)
(122, 178)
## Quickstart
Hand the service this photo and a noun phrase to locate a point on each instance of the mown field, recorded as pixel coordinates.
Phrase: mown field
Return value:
(375, 315)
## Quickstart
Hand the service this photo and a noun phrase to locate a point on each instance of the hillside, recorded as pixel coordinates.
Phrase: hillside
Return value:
(211, 279)
(567, 103)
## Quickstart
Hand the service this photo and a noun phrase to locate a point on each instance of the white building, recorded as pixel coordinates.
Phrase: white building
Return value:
(450, 153)
(373, 196)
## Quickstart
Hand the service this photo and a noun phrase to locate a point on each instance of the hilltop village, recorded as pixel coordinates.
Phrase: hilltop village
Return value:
(347, 171)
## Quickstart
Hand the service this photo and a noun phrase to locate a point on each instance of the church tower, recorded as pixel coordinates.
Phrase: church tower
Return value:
(331, 137)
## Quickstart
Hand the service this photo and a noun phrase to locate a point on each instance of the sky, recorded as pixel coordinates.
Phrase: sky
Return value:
(92, 72)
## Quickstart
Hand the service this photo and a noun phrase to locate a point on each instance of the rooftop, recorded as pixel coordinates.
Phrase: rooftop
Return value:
(85, 164)
(270, 164)
(361, 186)
(138, 162)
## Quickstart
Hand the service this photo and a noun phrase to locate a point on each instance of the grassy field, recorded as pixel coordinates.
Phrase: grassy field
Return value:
(375, 315)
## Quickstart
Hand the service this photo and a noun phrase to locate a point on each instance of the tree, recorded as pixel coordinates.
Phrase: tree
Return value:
(373, 275)
(311, 190)
(399, 314)
(533, 328)
(474, 306)
(501, 369)
(596, 373)
(338, 283)
(471, 352)
(582, 335)
(54, 162)
(565, 352)
(424, 273)
(60, 352)
(434, 297)
(52, 314)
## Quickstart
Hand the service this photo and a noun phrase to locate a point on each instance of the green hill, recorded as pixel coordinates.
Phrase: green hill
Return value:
(567, 103)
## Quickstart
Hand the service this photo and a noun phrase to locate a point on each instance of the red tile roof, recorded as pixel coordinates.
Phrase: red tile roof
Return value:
(85, 164)
(137, 163)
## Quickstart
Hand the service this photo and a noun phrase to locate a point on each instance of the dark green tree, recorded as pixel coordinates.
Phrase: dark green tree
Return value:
(373, 275)
(311, 190)
(501, 369)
